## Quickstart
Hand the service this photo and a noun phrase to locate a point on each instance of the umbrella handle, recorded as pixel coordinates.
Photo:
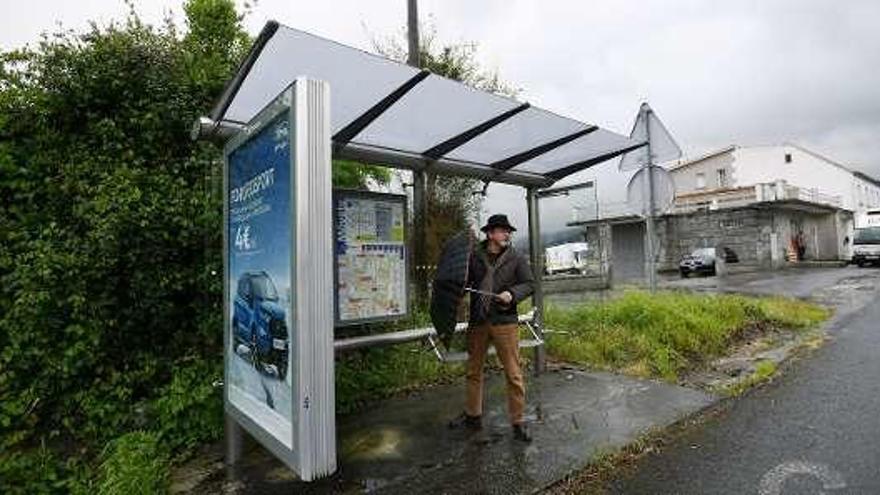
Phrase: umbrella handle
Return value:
(482, 292)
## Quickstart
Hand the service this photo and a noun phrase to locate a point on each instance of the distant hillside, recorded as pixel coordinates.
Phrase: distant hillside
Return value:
(521, 241)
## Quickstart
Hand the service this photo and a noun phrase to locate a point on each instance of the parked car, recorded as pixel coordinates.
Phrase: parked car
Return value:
(703, 261)
(258, 323)
(699, 261)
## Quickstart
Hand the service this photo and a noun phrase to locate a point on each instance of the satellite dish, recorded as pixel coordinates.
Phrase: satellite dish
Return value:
(638, 191)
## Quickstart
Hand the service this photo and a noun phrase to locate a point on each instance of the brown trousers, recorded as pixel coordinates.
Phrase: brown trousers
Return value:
(505, 338)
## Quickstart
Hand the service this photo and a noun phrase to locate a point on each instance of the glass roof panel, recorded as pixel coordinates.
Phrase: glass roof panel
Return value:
(435, 110)
(596, 143)
(358, 80)
(532, 127)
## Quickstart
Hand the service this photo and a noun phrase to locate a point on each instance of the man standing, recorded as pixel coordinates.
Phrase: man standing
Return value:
(503, 278)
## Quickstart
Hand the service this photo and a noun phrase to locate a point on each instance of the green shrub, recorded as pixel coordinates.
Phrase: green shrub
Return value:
(136, 463)
(189, 410)
(38, 471)
(109, 219)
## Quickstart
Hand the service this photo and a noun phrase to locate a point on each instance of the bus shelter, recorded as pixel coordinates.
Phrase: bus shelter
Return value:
(386, 113)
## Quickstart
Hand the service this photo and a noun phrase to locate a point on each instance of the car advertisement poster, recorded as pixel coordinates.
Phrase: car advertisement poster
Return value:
(259, 243)
(371, 258)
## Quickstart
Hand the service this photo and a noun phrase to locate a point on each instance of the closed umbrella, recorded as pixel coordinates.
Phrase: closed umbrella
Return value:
(449, 284)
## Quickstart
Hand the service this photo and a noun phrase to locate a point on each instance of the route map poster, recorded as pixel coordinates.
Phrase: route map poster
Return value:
(371, 256)
(259, 270)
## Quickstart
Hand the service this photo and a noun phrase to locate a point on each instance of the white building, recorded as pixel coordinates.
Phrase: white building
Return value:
(787, 174)
(772, 205)
(807, 174)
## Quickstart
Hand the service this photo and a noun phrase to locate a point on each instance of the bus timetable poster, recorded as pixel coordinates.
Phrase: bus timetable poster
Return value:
(371, 257)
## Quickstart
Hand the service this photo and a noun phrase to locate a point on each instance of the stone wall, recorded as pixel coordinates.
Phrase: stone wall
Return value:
(746, 231)
(759, 236)
(573, 283)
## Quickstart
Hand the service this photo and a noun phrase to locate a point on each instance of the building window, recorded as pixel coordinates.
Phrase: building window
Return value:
(701, 180)
(788, 158)
(722, 177)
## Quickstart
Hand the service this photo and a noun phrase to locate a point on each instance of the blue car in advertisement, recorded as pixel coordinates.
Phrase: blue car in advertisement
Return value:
(259, 324)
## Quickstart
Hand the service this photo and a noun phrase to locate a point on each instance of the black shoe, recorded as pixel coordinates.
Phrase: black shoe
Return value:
(464, 420)
(521, 433)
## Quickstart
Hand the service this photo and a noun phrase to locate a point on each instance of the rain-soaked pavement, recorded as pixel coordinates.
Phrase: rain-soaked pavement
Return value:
(821, 284)
(793, 282)
(404, 446)
(813, 430)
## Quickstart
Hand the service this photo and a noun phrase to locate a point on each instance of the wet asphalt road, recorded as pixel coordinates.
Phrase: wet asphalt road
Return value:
(815, 429)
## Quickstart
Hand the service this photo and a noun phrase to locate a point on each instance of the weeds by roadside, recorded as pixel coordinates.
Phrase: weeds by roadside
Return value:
(764, 371)
(665, 334)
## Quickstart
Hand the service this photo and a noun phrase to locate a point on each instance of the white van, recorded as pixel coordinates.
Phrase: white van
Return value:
(566, 258)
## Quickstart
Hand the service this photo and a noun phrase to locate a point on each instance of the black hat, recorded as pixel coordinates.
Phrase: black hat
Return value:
(497, 220)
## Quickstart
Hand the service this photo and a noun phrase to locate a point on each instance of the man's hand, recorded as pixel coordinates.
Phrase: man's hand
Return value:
(505, 297)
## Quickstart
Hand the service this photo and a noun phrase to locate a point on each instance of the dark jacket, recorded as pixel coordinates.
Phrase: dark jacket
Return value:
(512, 273)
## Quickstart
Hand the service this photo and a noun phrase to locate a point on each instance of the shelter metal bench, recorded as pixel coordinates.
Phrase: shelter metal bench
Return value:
(429, 334)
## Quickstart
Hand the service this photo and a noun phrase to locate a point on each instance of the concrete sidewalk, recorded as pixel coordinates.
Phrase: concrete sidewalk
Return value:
(404, 446)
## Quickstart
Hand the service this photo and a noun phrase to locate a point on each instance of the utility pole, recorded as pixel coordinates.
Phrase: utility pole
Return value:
(419, 183)
(412, 32)
(649, 220)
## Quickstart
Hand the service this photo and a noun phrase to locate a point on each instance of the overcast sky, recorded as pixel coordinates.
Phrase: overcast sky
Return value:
(717, 73)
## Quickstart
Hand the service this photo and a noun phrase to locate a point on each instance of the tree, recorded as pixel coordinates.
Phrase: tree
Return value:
(348, 174)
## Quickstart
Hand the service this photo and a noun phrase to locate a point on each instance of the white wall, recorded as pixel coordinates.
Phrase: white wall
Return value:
(759, 164)
(866, 194)
(747, 166)
(686, 178)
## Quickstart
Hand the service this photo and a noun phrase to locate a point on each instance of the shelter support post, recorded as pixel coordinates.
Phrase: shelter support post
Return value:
(537, 261)
(234, 439)
(420, 207)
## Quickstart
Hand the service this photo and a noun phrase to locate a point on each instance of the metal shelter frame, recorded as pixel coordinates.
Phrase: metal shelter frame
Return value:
(390, 114)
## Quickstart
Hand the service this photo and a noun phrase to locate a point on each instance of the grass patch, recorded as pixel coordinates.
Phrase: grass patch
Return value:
(666, 333)
(764, 370)
(135, 463)
(790, 313)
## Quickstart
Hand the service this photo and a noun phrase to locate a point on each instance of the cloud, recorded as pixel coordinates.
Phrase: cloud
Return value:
(718, 73)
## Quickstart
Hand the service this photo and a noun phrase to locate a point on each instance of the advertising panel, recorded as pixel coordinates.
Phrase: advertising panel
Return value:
(259, 276)
(278, 313)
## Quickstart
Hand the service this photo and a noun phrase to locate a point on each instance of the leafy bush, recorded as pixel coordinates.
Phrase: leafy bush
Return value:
(110, 221)
(135, 464)
(42, 471)
(189, 410)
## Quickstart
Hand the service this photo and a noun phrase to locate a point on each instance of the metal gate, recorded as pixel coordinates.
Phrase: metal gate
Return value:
(628, 251)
